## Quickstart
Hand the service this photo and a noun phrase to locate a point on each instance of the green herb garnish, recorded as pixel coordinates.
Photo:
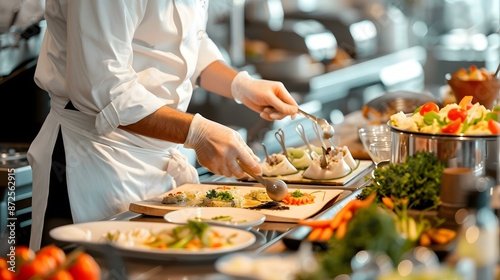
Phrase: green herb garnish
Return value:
(418, 179)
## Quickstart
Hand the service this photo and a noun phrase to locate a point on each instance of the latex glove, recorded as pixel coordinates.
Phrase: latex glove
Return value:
(268, 98)
(217, 147)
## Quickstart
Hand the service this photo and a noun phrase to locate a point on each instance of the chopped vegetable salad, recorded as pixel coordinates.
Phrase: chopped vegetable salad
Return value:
(464, 118)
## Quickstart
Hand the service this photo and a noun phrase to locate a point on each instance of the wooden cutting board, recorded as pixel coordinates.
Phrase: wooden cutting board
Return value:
(154, 206)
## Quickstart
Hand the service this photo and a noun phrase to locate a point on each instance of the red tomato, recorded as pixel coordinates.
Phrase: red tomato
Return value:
(23, 255)
(6, 274)
(41, 266)
(85, 267)
(457, 114)
(61, 275)
(3, 263)
(494, 126)
(429, 107)
(54, 252)
(452, 127)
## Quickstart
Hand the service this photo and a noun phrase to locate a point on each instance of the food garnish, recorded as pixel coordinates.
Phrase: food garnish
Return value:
(298, 198)
(418, 179)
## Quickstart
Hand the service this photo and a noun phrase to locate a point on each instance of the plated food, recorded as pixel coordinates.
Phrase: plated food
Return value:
(232, 197)
(334, 163)
(224, 216)
(255, 196)
(464, 118)
(193, 235)
(278, 164)
(153, 240)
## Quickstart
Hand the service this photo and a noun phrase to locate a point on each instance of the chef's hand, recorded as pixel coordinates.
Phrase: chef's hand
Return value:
(268, 98)
(218, 147)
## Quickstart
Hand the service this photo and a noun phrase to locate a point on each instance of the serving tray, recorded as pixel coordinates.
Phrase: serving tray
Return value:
(297, 178)
(154, 206)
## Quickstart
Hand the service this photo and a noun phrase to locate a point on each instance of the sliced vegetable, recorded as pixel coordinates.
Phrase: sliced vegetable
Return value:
(430, 117)
(457, 114)
(387, 201)
(429, 107)
(494, 126)
(452, 127)
(466, 102)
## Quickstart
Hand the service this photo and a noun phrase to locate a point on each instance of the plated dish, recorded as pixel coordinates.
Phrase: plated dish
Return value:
(223, 216)
(281, 212)
(93, 234)
(299, 178)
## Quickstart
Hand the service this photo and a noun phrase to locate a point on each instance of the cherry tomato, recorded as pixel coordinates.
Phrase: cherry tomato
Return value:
(494, 126)
(60, 275)
(429, 107)
(23, 255)
(41, 266)
(457, 114)
(452, 127)
(6, 274)
(54, 252)
(85, 267)
(3, 263)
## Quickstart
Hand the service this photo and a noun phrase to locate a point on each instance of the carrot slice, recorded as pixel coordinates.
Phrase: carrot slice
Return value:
(466, 100)
(341, 230)
(315, 234)
(326, 234)
(387, 201)
(367, 201)
(350, 206)
(315, 223)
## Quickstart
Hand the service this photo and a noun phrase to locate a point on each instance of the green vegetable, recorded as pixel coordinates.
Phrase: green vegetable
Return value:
(429, 118)
(418, 179)
(222, 195)
(371, 229)
(222, 218)
(297, 193)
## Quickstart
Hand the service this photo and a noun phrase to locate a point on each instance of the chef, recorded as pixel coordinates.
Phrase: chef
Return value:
(120, 75)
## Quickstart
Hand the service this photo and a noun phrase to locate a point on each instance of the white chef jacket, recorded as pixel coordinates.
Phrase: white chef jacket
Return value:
(117, 61)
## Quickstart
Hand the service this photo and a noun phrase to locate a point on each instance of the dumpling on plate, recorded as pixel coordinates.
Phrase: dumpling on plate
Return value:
(347, 156)
(277, 165)
(336, 167)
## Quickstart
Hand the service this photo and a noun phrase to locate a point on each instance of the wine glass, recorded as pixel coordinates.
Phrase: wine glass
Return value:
(371, 134)
(380, 152)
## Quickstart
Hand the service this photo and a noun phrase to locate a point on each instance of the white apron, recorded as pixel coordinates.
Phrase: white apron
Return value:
(94, 192)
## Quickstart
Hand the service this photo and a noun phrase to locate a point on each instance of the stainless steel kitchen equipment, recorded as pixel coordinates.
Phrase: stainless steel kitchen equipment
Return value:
(477, 152)
(302, 36)
(15, 192)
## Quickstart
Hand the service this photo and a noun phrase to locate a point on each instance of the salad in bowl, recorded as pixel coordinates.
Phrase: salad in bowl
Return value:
(464, 118)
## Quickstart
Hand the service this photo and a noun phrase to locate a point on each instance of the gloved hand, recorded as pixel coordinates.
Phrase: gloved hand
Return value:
(268, 98)
(218, 147)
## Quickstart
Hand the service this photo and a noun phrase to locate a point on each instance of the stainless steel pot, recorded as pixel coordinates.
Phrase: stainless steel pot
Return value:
(479, 152)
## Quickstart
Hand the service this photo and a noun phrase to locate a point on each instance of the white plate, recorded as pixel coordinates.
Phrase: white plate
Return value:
(91, 234)
(260, 266)
(239, 217)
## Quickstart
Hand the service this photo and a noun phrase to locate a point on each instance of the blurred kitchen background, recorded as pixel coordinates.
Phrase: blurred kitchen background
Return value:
(334, 56)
